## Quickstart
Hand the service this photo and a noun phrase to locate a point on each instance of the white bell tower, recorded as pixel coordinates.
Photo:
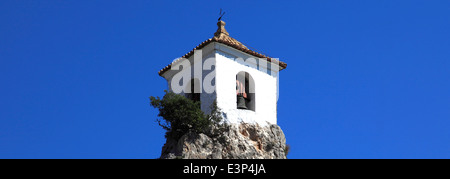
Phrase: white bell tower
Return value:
(243, 82)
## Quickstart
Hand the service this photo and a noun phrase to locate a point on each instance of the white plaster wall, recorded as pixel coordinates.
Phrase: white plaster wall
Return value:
(265, 89)
(206, 98)
(225, 71)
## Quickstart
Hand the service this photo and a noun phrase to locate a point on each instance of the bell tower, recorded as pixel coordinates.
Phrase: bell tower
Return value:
(243, 82)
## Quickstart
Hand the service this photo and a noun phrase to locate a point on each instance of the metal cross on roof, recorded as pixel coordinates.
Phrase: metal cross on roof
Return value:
(221, 14)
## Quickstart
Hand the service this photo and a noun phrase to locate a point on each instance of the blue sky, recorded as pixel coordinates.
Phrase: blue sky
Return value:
(365, 79)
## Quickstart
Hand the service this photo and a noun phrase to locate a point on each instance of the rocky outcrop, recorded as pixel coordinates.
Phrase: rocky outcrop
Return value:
(233, 141)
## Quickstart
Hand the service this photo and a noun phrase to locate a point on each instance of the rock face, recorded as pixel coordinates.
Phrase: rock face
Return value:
(233, 141)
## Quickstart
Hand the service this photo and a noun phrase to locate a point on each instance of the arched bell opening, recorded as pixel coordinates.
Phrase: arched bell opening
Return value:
(245, 91)
(192, 90)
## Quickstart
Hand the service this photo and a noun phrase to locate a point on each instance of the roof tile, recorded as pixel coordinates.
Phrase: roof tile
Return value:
(222, 36)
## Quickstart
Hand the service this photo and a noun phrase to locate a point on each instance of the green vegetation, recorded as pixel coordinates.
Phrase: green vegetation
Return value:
(179, 115)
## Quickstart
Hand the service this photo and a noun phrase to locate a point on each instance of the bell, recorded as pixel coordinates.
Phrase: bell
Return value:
(241, 102)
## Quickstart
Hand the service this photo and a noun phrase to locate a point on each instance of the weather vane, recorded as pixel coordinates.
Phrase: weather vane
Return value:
(221, 14)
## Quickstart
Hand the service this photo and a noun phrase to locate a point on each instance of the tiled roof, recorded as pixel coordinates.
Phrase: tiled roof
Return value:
(222, 36)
